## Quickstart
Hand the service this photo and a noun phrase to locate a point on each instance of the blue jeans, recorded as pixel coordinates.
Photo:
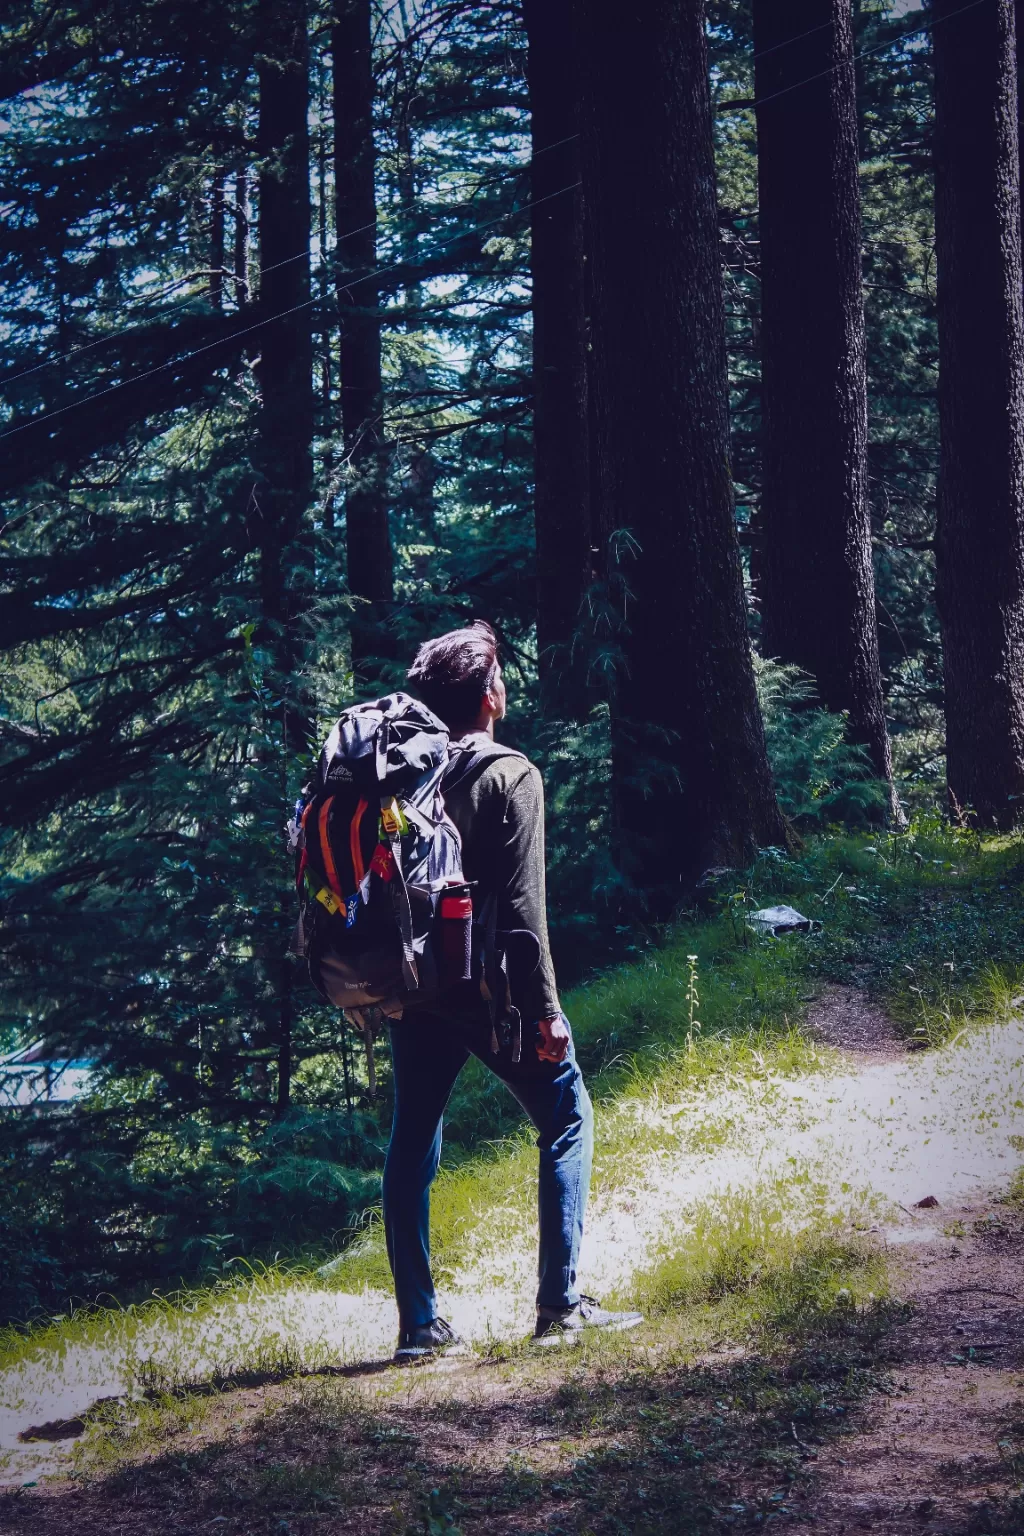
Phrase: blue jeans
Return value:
(428, 1052)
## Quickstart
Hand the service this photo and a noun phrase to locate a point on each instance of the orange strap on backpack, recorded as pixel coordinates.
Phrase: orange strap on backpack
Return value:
(330, 868)
(355, 848)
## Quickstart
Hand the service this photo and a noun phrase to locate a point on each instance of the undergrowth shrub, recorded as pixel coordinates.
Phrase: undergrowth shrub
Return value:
(820, 776)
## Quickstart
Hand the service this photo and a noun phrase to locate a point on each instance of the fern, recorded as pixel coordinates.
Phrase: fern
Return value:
(821, 777)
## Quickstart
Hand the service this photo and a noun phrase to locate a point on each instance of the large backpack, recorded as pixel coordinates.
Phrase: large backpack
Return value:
(386, 916)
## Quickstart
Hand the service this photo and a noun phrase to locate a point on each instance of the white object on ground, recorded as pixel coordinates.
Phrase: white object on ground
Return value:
(779, 920)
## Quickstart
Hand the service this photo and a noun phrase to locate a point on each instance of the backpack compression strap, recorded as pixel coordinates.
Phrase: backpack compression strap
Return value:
(403, 911)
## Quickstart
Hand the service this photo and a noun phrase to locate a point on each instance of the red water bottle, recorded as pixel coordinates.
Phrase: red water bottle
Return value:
(456, 938)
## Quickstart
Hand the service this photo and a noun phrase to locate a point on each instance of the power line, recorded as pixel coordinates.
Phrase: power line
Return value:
(513, 170)
(258, 325)
(762, 53)
(928, 26)
(325, 259)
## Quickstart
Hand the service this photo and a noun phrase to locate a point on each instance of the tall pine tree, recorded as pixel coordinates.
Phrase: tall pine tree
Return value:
(692, 783)
(285, 342)
(367, 532)
(980, 527)
(560, 421)
(816, 579)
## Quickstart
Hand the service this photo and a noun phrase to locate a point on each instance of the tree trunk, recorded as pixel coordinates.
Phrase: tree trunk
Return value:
(286, 345)
(368, 538)
(560, 433)
(286, 388)
(324, 289)
(692, 783)
(215, 281)
(241, 238)
(817, 587)
(980, 526)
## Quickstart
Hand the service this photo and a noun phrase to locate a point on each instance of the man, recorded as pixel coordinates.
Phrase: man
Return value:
(499, 811)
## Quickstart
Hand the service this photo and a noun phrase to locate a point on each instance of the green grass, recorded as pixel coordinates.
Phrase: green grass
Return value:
(764, 1264)
(198, 1336)
(486, 1204)
(928, 921)
(648, 1435)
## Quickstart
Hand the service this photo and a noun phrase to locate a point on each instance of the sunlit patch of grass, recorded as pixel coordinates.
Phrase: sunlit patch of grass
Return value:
(487, 1204)
(1015, 1194)
(661, 1071)
(195, 1336)
(765, 1264)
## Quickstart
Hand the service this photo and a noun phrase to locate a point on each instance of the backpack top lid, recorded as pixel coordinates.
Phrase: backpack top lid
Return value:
(383, 747)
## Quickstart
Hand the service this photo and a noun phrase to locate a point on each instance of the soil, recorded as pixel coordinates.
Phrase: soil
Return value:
(942, 1452)
(847, 1018)
(935, 1448)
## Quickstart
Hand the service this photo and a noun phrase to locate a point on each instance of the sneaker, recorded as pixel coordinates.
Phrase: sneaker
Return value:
(568, 1324)
(436, 1338)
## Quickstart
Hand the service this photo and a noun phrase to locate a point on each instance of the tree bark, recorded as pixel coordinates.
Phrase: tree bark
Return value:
(241, 250)
(560, 432)
(692, 782)
(286, 344)
(368, 537)
(216, 278)
(980, 524)
(817, 588)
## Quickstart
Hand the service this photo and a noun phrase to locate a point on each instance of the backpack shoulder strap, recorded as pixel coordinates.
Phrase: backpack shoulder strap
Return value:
(469, 757)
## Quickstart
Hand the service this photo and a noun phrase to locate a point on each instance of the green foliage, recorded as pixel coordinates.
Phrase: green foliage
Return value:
(821, 777)
(145, 898)
(764, 1277)
(146, 756)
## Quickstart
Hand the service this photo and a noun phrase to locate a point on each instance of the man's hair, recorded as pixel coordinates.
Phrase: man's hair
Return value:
(452, 673)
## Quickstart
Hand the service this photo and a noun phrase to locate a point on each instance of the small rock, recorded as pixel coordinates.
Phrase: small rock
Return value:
(927, 1204)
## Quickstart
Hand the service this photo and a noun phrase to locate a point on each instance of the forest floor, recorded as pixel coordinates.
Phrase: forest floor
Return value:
(851, 1359)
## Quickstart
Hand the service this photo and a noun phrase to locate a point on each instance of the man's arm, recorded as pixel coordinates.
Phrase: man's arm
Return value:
(521, 904)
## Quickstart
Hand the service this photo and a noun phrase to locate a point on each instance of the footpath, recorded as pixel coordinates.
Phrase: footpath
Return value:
(910, 1416)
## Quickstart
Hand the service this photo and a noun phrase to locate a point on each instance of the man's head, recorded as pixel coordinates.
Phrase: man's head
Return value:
(458, 676)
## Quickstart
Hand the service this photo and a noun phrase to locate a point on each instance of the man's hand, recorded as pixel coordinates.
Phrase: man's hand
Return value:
(554, 1038)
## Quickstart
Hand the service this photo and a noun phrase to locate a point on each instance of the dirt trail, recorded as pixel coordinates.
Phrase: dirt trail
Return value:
(516, 1450)
(947, 1446)
(847, 1018)
(934, 1445)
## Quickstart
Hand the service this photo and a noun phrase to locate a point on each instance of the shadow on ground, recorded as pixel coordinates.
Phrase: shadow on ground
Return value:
(901, 1417)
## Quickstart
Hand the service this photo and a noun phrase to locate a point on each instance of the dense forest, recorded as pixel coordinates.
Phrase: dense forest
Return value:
(688, 351)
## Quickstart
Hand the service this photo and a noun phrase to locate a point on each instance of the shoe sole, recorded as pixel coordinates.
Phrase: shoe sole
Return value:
(410, 1356)
(560, 1336)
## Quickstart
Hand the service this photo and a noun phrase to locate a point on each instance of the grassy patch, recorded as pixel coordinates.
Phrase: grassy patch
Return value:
(622, 1435)
(763, 1266)
(237, 1329)
(928, 921)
